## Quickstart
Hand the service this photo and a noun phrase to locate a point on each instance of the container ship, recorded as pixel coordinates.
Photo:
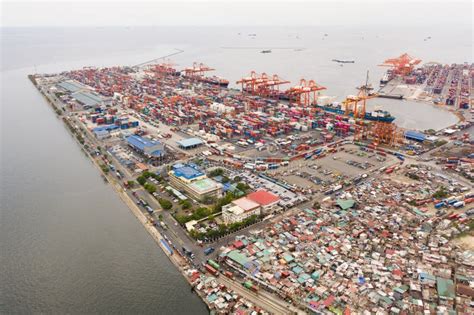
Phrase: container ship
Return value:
(376, 115)
(215, 81)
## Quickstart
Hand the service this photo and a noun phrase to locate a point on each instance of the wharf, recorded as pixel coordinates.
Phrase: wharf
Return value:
(264, 301)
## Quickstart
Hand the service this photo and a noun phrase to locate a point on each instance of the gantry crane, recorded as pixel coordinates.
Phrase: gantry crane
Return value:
(305, 94)
(402, 65)
(197, 70)
(250, 84)
(270, 87)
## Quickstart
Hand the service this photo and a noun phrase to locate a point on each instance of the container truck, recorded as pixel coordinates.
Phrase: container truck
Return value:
(210, 269)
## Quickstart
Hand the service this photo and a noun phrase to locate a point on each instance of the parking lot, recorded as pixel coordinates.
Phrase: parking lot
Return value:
(346, 164)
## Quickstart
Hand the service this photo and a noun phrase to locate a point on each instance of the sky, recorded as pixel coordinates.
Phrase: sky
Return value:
(228, 12)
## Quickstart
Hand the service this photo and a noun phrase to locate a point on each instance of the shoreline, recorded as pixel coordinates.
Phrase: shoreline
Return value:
(175, 259)
(263, 300)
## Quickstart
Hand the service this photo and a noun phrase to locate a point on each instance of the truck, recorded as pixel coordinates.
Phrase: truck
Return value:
(210, 269)
(213, 264)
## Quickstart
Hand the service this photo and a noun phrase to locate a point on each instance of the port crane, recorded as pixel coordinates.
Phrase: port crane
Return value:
(251, 83)
(197, 70)
(402, 65)
(306, 93)
(270, 87)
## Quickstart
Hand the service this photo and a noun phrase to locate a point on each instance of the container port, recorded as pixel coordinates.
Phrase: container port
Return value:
(450, 85)
(274, 198)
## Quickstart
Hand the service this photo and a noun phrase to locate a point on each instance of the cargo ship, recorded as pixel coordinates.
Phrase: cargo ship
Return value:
(376, 115)
(215, 81)
(343, 61)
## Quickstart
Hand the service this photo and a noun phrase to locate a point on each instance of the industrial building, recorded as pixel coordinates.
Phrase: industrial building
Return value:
(239, 210)
(414, 135)
(147, 147)
(189, 143)
(189, 178)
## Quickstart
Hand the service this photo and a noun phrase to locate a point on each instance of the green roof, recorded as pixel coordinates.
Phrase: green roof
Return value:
(345, 204)
(445, 288)
(238, 257)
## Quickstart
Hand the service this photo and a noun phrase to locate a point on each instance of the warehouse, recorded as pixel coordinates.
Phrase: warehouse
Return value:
(87, 99)
(72, 86)
(194, 182)
(189, 143)
(414, 135)
(145, 146)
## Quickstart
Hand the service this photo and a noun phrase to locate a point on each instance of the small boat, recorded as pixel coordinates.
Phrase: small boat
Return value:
(343, 61)
(266, 51)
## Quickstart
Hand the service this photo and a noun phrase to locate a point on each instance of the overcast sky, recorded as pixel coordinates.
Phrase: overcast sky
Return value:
(263, 12)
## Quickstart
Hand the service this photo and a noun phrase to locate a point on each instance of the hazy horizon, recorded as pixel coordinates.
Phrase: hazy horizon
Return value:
(231, 13)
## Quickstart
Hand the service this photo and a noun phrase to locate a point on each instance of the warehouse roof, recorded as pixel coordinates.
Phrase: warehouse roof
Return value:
(186, 143)
(415, 135)
(238, 257)
(105, 128)
(71, 86)
(263, 197)
(87, 98)
(187, 171)
(140, 143)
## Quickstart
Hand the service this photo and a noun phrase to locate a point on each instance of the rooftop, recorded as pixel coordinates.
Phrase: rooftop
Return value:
(187, 171)
(204, 185)
(71, 86)
(263, 197)
(246, 204)
(140, 142)
(189, 142)
(87, 98)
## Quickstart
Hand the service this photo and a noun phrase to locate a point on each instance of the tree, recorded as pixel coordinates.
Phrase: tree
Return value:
(165, 204)
(441, 193)
(316, 205)
(141, 180)
(186, 204)
(150, 187)
(131, 183)
(216, 172)
(242, 186)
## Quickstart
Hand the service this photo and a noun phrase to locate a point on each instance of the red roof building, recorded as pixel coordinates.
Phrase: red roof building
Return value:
(264, 198)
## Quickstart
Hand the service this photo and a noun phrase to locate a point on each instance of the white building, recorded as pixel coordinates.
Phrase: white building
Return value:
(239, 210)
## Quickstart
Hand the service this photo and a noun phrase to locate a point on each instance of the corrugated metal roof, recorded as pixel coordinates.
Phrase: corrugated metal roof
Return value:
(139, 142)
(189, 142)
(87, 98)
(415, 135)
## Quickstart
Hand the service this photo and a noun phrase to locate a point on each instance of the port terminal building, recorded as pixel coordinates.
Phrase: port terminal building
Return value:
(147, 147)
(189, 178)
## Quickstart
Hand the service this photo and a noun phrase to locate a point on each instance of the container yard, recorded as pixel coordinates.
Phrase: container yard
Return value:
(450, 85)
(276, 198)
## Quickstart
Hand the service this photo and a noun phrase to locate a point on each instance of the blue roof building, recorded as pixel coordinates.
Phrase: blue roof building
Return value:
(146, 146)
(415, 135)
(189, 143)
(188, 171)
